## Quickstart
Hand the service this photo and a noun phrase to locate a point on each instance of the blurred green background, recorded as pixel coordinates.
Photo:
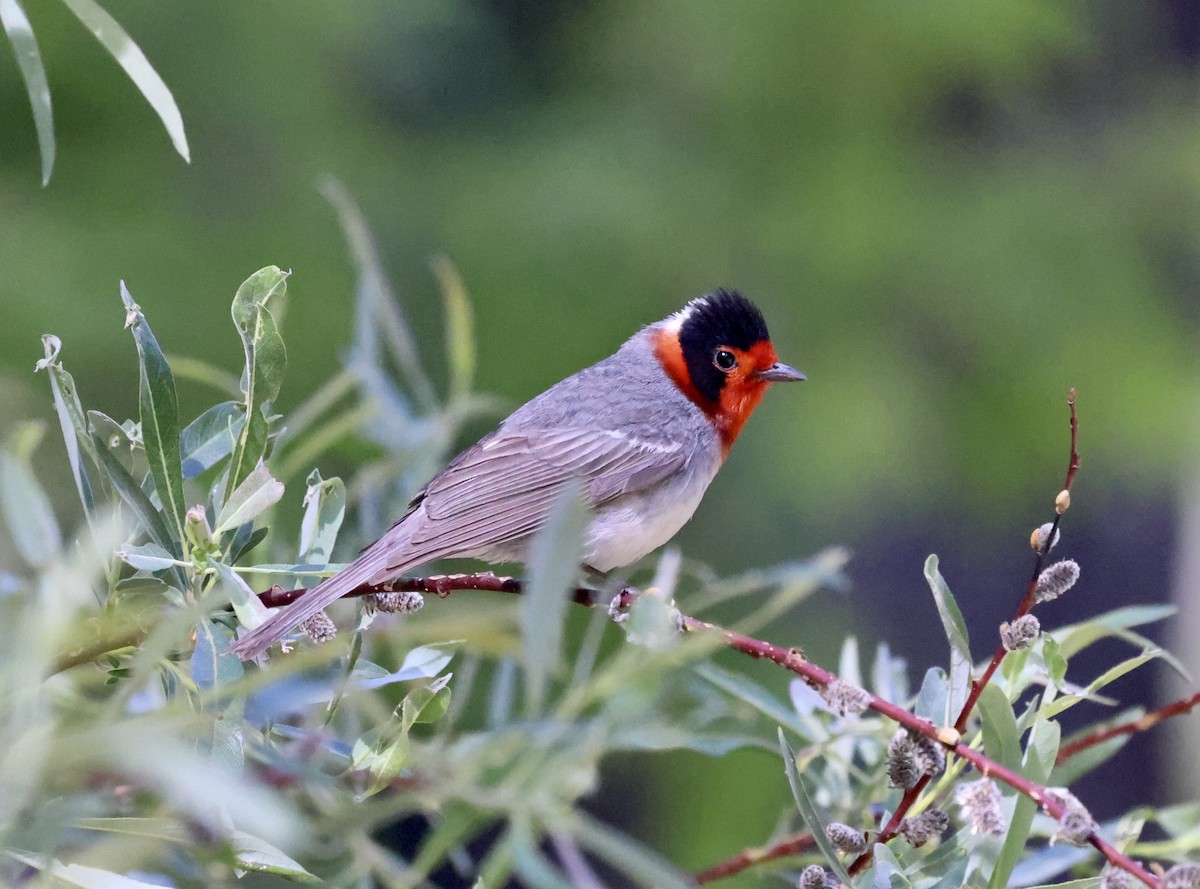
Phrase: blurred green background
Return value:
(949, 212)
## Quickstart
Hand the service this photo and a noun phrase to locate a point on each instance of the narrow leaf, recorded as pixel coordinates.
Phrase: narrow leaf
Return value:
(956, 633)
(257, 854)
(554, 560)
(159, 408)
(324, 509)
(249, 609)
(378, 319)
(808, 812)
(209, 438)
(1040, 753)
(1001, 738)
(136, 499)
(147, 557)
(29, 60)
(258, 492)
(265, 359)
(212, 666)
(71, 419)
(130, 57)
(460, 327)
(26, 507)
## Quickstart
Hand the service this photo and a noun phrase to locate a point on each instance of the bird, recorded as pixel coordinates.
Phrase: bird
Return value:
(642, 433)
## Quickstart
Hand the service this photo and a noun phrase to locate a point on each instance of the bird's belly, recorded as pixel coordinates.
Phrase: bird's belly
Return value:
(631, 526)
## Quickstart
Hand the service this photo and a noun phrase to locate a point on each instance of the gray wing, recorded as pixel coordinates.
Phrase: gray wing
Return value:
(503, 488)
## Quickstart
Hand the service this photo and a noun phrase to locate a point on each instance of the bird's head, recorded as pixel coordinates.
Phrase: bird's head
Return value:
(716, 349)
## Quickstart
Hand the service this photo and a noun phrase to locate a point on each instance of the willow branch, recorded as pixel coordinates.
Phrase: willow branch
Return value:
(748, 858)
(1061, 503)
(1133, 726)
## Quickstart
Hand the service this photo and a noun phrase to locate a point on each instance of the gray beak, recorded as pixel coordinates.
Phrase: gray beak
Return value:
(780, 373)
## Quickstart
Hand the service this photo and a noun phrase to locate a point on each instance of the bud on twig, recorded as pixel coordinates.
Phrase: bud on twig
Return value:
(1115, 878)
(922, 828)
(846, 838)
(319, 627)
(902, 769)
(1037, 540)
(1056, 580)
(1062, 502)
(929, 755)
(397, 603)
(816, 877)
(1020, 633)
(980, 805)
(1182, 876)
(844, 698)
(1076, 823)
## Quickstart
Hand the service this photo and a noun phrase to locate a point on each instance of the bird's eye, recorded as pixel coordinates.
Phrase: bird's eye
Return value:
(724, 360)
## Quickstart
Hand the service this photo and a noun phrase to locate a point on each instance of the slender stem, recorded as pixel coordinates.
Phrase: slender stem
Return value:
(1133, 726)
(748, 858)
(977, 685)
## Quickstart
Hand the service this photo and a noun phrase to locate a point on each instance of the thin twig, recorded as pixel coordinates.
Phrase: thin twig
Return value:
(1133, 726)
(977, 685)
(748, 858)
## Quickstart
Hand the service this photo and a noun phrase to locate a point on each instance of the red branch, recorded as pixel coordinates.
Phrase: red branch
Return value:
(748, 858)
(1062, 502)
(1141, 724)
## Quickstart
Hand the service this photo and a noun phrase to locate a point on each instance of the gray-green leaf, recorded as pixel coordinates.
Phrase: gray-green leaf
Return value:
(29, 60)
(131, 58)
(159, 408)
(258, 492)
(265, 360)
(554, 560)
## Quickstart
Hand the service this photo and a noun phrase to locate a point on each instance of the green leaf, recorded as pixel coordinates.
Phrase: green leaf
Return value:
(265, 360)
(808, 812)
(1076, 637)
(26, 507)
(379, 320)
(71, 420)
(258, 492)
(209, 438)
(1001, 738)
(129, 490)
(1067, 773)
(29, 60)
(324, 509)
(1040, 753)
(147, 557)
(212, 666)
(247, 606)
(460, 324)
(159, 408)
(1108, 676)
(256, 854)
(130, 57)
(554, 560)
(956, 633)
(86, 877)
(1052, 657)
(933, 697)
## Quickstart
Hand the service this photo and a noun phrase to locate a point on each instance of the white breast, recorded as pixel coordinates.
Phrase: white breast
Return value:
(631, 526)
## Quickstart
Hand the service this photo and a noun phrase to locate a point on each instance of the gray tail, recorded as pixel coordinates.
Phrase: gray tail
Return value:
(362, 570)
